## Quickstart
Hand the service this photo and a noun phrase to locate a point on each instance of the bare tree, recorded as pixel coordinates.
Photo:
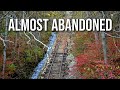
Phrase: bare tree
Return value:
(4, 50)
(104, 43)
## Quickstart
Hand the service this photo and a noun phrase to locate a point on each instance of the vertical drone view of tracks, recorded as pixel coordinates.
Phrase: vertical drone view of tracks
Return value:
(57, 66)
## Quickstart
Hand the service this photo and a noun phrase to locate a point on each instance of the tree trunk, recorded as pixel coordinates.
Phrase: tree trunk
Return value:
(104, 44)
(96, 37)
(4, 50)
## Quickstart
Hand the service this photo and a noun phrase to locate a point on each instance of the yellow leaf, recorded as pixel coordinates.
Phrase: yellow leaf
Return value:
(48, 14)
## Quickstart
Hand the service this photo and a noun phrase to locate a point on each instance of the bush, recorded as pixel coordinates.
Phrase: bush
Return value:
(11, 67)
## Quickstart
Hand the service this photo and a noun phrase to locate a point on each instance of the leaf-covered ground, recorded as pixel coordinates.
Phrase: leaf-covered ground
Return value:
(90, 60)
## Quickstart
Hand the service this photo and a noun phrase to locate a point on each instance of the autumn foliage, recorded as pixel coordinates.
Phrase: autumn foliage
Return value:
(90, 63)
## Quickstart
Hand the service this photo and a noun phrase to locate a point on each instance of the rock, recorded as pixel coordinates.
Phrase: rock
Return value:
(70, 58)
(72, 64)
(70, 77)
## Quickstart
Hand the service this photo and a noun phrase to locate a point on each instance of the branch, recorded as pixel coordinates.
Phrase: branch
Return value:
(103, 14)
(116, 45)
(5, 41)
(3, 16)
(38, 40)
(28, 42)
(111, 35)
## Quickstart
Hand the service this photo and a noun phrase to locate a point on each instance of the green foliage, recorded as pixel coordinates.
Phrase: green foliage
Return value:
(28, 55)
(78, 15)
(81, 40)
(1, 47)
(11, 67)
(11, 33)
(0, 66)
(38, 51)
(2, 30)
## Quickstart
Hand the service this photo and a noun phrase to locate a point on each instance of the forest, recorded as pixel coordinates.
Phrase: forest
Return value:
(95, 54)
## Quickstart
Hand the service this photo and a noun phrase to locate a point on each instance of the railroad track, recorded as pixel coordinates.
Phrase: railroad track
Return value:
(57, 67)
